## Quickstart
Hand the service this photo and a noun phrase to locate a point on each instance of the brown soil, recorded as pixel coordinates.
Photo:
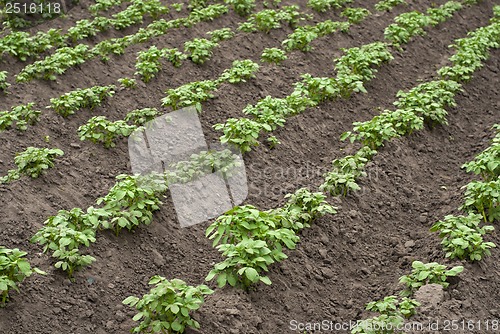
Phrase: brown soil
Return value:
(342, 262)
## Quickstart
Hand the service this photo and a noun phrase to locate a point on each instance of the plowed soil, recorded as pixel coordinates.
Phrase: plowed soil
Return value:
(341, 263)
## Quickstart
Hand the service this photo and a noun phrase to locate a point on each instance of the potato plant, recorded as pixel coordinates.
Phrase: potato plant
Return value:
(360, 60)
(269, 111)
(484, 198)
(240, 71)
(174, 56)
(487, 163)
(167, 306)
(99, 129)
(3, 81)
(32, 162)
(140, 117)
(22, 116)
(63, 235)
(56, 64)
(103, 5)
(463, 237)
(384, 127)
(429, 99)
(131, 202)
(220, 35)
(127, 83)
(346, 171)
(325, 5)
(471, 52)
(242, 7)
(392, 313)
(241, 132)
(192, 93)
(199, 50)
(245, 264)
(148, 63)
(269, 19)
(300, 39)
(14, 269)
(273, 55)
(200, 164)
(92, 97)
(387, 5)
(355, 15)
(427, 273)
(303, 207)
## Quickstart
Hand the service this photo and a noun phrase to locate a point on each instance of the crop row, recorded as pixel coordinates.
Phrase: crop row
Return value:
(23, 46)
(67, 57)
(353, 70)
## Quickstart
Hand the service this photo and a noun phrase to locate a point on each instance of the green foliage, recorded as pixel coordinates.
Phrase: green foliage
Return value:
(55, 64)
(246, 222)
(484, 198)
(199, 50)
(174, 56)
(269, 19)
(131, 202)
(85, 28)
(141, 116)
(487, 163)
(135, 13)
(317, 89)
(463, 237)
(324, 5)
(303, 207)
(127, 82)
(92, 97)
(64, 233)
(384, 127)
(429, 99)
(407, 25)
(328, 27)
(355, 15)
(241, 132)
(167, 306)
(103, 5)
(3, 81)
(392, 313)
(270, 112)
(471, 52)
(201, 164)
(240, 71)
(360, 60)
(148, 63)
(345, 171)
(273, 141)
(177, 6)
(245, 264)
(99, 129)
(382, 324)
(208, 13)
(14, 268)
(192, 93)
(300, 39)
(427, 273)
(22, 45)
(273, 55)
(444, 12)
(32, 162)
(219, 35)
(242, 7)
(387, 5)
(22, 116)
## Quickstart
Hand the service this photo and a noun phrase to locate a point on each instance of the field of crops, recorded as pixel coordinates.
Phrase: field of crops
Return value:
(370, 134)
